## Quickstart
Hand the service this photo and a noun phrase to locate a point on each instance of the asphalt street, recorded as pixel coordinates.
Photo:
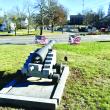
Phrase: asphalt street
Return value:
(62, 38)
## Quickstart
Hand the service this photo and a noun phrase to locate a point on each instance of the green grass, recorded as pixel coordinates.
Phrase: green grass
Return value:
(88, 85)
(12, 58)
(24, 32)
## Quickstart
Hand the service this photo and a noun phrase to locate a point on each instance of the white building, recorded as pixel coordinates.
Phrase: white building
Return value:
(12, 26)
(24, 22)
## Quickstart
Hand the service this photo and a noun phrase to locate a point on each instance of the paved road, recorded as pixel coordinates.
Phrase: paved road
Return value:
(62, 38)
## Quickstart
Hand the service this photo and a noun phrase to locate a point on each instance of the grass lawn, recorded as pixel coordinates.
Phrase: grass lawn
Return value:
(88, 85)
(24, 32)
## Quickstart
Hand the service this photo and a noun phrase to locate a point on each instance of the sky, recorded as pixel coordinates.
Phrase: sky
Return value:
(76, 6)
(73, 6)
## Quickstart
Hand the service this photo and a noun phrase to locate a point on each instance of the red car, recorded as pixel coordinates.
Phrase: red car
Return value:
(74, 39)
(41, 40)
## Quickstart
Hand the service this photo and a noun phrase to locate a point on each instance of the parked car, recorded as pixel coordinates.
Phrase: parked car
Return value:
(82, 29)
(74, 39)
(41, 40)
(103, 29)
(2, 27)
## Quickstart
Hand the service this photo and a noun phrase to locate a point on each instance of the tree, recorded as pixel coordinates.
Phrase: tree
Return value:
(100, 13)
(40, 7)
(20, 16)
(62, 12)
(50, 13)
(51, 10)
(14, 19)
(57, 14)
(36, 20)
(29, 11)
(90, 17)
(1, 20)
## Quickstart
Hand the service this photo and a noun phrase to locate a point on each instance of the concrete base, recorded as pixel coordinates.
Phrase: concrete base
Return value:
(34, 93)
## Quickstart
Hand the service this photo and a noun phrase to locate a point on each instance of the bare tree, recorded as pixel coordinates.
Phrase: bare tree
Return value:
(51, 10)
(40, 7)
(100, 13)
(29, 11)
(90, 17)
(16, 15)
(20, 15)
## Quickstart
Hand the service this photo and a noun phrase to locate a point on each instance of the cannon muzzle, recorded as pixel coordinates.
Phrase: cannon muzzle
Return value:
(41, 53)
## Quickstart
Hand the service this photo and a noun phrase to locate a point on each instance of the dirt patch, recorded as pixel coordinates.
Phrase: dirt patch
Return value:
(78, 76)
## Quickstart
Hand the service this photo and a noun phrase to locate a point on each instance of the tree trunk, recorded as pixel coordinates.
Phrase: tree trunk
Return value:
(62, 30)
(15, 27)
(20, 25)
(15, 31)
(41, 30)
(35, 28)
(52, 26)
(28, 29)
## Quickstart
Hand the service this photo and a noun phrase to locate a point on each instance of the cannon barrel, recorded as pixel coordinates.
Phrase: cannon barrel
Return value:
(41, 53)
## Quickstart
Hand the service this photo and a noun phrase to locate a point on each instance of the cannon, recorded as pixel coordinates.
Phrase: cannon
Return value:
(42, 63)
